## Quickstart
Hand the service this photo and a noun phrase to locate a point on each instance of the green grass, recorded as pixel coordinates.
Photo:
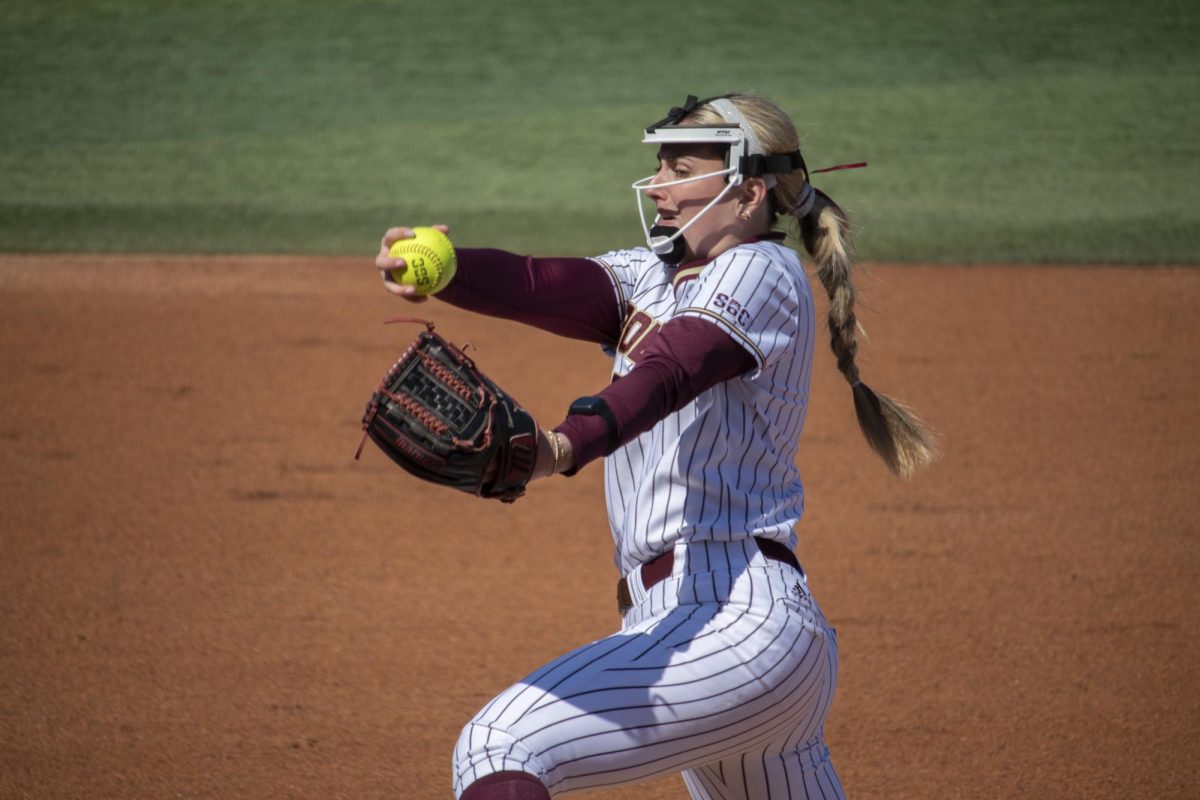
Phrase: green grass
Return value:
(1016, 131)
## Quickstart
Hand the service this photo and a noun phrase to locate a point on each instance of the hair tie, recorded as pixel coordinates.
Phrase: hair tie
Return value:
(804, 203)
(808, 196)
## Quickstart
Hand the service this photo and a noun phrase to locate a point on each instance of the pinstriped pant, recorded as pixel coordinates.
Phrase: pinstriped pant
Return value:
(724, 671)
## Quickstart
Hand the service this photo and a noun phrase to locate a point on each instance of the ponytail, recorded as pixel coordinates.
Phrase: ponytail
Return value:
(892, 430)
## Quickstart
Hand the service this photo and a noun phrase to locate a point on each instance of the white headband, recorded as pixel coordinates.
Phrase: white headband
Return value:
(729, 112)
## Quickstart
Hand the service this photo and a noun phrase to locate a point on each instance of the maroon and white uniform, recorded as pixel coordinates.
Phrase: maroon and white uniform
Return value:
(723, 467)
(724, 668)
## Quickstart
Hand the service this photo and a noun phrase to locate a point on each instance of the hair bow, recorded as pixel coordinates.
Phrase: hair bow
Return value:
(677, 113)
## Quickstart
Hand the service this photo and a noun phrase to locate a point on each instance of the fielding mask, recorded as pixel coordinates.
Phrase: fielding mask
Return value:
(744, 159)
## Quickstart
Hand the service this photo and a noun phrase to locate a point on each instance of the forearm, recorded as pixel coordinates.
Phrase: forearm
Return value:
(687, 357)
(570, 297)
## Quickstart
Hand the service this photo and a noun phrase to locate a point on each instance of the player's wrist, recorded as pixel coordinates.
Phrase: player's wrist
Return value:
(554, 454)
(566, 453)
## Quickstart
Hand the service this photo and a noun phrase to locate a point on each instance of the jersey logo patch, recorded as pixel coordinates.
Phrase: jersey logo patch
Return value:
(732, 309)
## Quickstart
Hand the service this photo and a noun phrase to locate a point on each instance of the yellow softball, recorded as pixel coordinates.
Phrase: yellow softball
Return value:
(430, 258)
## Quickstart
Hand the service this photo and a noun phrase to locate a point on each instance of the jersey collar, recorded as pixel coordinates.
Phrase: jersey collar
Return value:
(692, 269)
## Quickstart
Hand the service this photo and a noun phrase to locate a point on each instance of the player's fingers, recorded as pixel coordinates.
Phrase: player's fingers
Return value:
(393, 235)
(386, 266)
(400, 289)
(385, 263)
(410, 294)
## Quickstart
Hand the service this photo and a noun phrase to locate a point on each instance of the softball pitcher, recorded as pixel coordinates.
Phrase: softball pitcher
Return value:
(724, 668)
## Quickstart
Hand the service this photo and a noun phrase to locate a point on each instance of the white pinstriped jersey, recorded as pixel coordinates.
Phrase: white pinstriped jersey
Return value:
(725, 670)
(723, 467)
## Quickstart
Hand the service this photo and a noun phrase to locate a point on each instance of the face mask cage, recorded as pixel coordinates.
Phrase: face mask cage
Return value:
(730, 136)
(744, 158)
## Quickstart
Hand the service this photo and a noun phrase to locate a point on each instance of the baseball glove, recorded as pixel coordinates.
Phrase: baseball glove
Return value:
(439, 417)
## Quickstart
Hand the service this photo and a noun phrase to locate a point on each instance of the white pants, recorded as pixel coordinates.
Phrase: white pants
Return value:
(724, 671)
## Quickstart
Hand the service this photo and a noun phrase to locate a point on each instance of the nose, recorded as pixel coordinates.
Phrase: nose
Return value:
(656, 192)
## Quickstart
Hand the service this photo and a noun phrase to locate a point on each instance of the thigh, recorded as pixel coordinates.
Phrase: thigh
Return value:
(691, 686)
(796, 773)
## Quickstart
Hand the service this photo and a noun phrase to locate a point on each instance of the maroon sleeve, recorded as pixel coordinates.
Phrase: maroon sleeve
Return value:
(687, 356)
(571, 297)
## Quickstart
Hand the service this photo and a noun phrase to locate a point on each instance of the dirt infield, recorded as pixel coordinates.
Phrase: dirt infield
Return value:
(203, 595)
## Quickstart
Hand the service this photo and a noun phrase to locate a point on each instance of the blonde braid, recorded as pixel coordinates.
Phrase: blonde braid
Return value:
(893, 431)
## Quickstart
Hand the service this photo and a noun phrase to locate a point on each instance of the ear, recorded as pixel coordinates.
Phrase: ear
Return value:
(753, 194)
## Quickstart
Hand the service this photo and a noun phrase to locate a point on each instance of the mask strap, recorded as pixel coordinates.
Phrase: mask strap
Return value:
(729, 112)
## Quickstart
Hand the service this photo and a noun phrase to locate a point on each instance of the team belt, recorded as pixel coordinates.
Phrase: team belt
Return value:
(658, 568)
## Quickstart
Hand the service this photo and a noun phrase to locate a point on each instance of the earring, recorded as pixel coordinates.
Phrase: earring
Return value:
(744, 215)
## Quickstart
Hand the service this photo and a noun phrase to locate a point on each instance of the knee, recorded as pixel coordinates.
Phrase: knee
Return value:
(506, 786)
(484, 750)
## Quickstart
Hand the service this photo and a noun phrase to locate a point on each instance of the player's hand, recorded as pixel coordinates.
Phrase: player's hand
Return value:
(386, 263)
